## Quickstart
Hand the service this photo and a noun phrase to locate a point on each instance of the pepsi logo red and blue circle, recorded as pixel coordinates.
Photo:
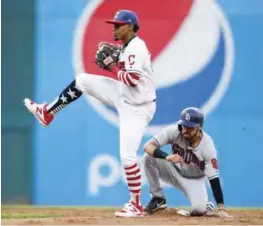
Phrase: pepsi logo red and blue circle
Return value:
(192, 50)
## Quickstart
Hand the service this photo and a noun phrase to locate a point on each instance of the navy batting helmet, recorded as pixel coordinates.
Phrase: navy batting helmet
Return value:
(191, 117)
(125, 17)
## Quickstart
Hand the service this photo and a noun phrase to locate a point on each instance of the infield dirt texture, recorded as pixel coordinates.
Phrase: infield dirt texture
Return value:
(14, 215)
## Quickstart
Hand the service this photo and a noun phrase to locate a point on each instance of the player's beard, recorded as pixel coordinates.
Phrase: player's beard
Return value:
(190, 136)
(187, 136)
(195, 138)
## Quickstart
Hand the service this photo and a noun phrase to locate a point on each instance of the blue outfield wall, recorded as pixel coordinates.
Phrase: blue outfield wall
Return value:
(207, 54)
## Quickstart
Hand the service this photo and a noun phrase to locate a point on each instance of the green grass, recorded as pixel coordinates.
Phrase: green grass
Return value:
(28, 215)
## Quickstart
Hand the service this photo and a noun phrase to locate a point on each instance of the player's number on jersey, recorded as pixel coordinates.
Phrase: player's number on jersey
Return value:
(214, 163)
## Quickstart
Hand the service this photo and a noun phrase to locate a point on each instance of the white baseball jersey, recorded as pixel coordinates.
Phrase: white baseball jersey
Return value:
(136, 86)
(198, 162)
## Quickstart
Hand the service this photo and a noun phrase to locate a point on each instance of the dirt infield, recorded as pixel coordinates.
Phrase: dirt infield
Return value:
(105, 216)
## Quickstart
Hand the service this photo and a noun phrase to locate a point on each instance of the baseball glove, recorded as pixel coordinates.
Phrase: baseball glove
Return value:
(106, 54)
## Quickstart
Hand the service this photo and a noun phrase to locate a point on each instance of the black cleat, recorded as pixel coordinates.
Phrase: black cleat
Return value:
(155, 204)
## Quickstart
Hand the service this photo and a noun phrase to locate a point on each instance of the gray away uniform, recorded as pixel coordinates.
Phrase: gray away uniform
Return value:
(189, 175)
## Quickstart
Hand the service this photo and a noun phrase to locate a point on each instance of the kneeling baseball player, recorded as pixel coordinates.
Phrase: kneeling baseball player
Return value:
(193, 159)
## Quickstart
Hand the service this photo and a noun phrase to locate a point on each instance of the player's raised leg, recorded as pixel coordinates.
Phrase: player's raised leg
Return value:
(44, 113)
(100, 87)
(133, 121)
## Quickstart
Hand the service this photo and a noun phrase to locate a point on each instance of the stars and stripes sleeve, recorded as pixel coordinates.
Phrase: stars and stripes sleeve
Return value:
(129, 78)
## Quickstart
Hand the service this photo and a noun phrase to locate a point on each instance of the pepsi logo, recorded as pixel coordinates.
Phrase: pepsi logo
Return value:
(191, 46)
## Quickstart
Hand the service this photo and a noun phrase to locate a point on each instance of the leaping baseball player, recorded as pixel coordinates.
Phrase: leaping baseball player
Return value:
(132, 94)
(193, 159)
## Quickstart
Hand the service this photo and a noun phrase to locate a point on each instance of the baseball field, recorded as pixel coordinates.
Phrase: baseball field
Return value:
(31, 215)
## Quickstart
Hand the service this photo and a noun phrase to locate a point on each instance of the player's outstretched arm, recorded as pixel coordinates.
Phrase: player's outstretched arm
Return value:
(218, 195)
(212, 173)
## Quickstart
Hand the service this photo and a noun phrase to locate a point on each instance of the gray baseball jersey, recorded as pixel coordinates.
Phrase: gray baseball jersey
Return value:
(198, 162)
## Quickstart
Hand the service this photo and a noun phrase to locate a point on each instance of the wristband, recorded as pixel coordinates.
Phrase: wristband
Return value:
(158, 153)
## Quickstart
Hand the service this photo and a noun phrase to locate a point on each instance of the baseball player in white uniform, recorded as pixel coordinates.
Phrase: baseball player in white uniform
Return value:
(193, 159)
(132, 94)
